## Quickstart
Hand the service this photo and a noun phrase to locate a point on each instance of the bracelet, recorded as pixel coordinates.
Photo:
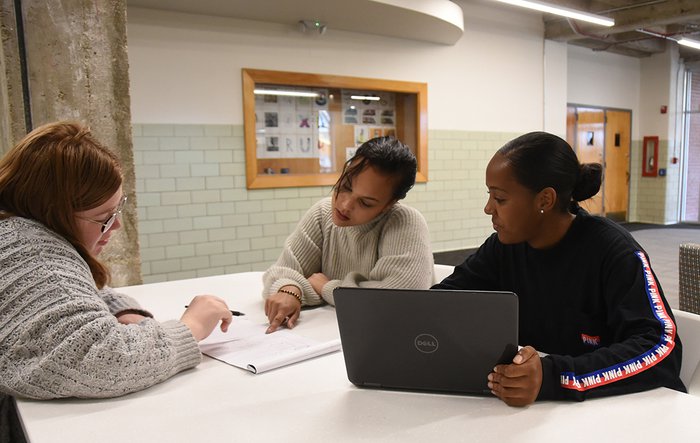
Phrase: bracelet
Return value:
(297, 296)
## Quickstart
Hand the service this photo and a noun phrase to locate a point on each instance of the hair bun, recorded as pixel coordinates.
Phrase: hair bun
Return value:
(588, 182)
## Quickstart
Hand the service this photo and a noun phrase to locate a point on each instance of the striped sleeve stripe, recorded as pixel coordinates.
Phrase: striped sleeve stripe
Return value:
(652, 357)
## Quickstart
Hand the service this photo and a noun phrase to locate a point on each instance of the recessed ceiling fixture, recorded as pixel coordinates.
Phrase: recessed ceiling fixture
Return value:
(316, 25)
(563, 11)
(689, 43)
(285, 93)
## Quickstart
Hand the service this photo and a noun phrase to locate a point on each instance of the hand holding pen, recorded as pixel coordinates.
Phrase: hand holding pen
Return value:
(203, 314)
(234, 313)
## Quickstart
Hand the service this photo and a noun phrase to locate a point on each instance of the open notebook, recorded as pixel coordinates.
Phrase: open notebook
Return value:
(246, 346)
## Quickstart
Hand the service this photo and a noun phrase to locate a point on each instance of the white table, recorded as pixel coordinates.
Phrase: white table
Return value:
(314, 401)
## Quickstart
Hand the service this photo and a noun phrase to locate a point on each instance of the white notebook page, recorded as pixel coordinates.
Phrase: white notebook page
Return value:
(246, 346)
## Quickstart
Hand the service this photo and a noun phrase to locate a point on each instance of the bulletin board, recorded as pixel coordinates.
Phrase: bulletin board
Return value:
(301, 128)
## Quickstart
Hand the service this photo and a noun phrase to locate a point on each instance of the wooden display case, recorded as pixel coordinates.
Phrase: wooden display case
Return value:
(301, 128)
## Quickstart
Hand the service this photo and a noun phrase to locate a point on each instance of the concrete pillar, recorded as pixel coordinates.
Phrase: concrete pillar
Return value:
(12, 119)
(77, 68)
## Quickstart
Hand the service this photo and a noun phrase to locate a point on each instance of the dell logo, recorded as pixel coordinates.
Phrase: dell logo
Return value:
(426, 343)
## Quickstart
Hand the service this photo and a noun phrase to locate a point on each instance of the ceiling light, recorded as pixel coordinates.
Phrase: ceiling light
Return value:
(690, 43)
(285, 93)
(560, 10)
(364, 97)
(316, 25)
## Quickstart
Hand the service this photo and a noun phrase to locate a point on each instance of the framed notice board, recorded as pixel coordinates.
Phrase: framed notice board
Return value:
(301, 128)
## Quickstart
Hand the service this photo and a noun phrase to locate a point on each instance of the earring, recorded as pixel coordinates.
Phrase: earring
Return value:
(541, 211)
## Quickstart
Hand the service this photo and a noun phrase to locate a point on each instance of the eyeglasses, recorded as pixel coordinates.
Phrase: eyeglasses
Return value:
(112, 218)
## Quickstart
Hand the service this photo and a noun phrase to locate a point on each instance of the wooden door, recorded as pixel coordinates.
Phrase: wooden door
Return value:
(590, 147)
(571, 126)
(617, 161)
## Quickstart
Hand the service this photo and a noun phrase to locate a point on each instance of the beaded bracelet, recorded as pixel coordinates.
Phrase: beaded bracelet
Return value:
(297, 296)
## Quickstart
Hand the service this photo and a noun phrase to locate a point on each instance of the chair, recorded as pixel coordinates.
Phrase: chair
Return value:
(688, 328)
(689, 277)
(442, 271)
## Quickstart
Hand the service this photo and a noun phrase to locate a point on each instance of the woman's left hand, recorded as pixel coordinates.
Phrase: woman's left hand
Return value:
(318, 281)
(518, 383)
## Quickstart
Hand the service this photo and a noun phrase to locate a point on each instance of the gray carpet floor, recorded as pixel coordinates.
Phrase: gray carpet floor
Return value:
(662, 247)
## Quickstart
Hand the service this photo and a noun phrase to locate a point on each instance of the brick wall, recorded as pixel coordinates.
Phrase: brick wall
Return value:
(196, 217)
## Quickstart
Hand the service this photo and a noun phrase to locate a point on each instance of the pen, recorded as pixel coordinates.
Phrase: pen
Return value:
(234, 313)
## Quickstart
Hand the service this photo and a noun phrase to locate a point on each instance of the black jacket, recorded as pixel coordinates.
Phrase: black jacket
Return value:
(592, 302)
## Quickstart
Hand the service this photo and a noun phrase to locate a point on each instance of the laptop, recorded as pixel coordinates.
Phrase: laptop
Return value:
(426, 340)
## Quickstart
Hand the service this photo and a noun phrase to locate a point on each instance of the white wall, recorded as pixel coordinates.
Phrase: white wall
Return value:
(555, 87)
(195, 215)
(662, 85)
(604, 79)
(655, 91)
(186, 68)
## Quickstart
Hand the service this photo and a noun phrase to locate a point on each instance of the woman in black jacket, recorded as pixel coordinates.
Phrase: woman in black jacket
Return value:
(588, 297)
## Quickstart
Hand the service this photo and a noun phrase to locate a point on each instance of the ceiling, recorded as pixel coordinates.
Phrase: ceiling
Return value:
(436, 21)
(642, 27)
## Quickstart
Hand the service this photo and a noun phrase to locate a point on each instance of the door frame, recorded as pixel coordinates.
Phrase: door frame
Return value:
(605, 145)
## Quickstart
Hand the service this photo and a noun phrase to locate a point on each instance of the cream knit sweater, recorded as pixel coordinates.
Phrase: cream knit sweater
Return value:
(58, 333)
(391, 251)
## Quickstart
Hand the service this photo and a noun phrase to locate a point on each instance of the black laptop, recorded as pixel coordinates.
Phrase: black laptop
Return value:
(426, 340)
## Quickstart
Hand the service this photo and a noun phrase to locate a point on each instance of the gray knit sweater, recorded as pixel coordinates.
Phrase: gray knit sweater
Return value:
(58, 333)
(391, 251)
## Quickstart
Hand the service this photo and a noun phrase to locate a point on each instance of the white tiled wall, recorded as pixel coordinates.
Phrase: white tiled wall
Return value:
(196, 217)
(654, 199)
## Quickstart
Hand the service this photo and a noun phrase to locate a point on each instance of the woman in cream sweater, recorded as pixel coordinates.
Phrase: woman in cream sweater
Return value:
(360, 236)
